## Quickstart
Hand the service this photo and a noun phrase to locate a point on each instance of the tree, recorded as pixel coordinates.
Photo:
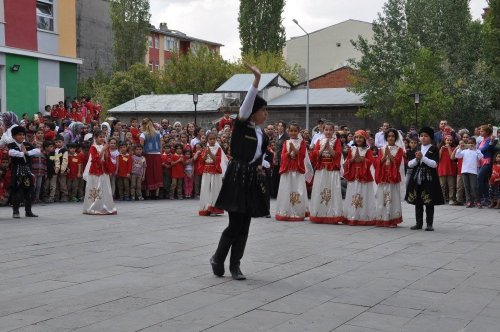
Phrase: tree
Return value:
(260, 26)
(269, 62)
(130, 22)
(125, 85)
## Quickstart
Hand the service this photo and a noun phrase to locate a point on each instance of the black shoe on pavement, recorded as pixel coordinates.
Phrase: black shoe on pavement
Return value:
(429, 229)
(16, 215)
(217, 268)
(31, 214)
(236, 273)
(416, 227)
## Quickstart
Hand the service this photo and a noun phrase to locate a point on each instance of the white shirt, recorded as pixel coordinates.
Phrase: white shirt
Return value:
(19, 154)
(316, 138)
(244, 114)
(469, 159)
(429, 162)
(194, 141)
(380, 141)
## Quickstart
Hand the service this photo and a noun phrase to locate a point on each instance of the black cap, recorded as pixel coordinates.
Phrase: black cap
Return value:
(428, 130)
(258, 103)
(17, 129)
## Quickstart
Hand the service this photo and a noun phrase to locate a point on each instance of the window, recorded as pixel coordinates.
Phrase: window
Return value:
(150, 41)
(45, 15)
(157, 67)
(170, 44)
(157, 42)
(151, 67)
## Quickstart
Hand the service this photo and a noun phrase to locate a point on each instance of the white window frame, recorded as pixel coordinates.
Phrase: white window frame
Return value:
(170, 44)
(150, 67)
(157, 67)
(50, 18)
(157, 41)
(150, 41)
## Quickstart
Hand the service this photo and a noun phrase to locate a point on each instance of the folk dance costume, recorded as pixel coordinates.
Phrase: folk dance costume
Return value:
(244, 191)
(424, 187)
(326, 196)
(98, 196)
(211, 180)
(359, 204)
(291, 204)
(388, 196)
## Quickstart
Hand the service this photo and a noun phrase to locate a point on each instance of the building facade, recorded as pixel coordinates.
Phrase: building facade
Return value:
(38, 62)
(163, 43)
(329, 48)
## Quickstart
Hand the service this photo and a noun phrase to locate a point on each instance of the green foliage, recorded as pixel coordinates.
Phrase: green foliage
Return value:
(268, 62)
(125, 85)
(260, 26)
(130, 22)
(431, 47)
(491, 34)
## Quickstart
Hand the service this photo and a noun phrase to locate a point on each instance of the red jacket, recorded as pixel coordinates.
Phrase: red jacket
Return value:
(358, 170)
(325, 161)
(296, 164)
(388, 172)
(124, 164)
(177, 169)
(74, 162)
(208, 165)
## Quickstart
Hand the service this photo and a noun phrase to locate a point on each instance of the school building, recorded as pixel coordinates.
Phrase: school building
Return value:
(38, 61)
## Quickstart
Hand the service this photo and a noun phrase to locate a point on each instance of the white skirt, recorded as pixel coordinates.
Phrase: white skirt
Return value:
(98, 198)
(291, 203)
(326, 198)
(359, 204)
(209, 191)
(388, 200)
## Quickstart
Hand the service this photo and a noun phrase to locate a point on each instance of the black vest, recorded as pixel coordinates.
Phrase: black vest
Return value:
(14, 161)
(244, 142)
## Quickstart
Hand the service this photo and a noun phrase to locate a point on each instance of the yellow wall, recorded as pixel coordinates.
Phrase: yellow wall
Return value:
(162, 53)
(67, 27)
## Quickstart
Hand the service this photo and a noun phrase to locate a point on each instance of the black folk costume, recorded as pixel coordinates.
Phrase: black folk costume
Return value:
(21, 184)
(423, 186)
(244, 191)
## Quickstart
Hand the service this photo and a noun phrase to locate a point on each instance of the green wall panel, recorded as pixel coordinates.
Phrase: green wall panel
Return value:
(68, 80)
(22, 86)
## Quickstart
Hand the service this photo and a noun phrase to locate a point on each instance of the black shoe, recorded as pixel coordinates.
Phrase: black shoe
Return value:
(16, 215)
(217, 268)
(237, 274)
(416, 227)
(31, 214)
(429, 229)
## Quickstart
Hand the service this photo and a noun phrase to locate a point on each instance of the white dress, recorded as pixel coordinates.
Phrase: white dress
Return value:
(326, 196)
(211, 183)
(291, 203)
(98, 197)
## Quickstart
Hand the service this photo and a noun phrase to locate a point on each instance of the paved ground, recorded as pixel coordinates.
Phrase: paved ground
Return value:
(147, 270)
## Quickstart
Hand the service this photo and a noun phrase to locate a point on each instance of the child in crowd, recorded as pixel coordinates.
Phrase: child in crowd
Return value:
(75, 170)
(460, 197)
(61, 169)
(177, 172)
(98, 195)
(410, 155)
(326, 196)
(39, 170)
(134, 131)
(470, 157)
(84, 155)
(388, 178)
(291, 202)
(166, 164)
(5, 175)
(198, 169)
(50, 183)
(112, 162)
(447, 169)
(137, 174)
(188, 173)
(123, 173)
(495, 182)
(359, 206)
(211, 182)
(424, 187)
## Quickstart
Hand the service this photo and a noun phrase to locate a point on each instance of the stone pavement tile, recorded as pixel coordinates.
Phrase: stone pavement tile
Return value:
(38, 287)
(433, 260)
(464, 264)
(387, 284)
(492, 309)
(394, 311)
(413, 299)
(352, 328)
(173, 290)
(351, 279)
(340, 266)
(463, 303)
(18, 305)
(435, 323)
(367, 297)
(325, 317)
(483, 281)
(441, 281)
(36, 328)
(484, 324)
(14, 321)
(379, 321)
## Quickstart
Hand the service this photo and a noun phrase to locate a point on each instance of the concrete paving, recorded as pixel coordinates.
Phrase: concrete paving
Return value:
(147, 269)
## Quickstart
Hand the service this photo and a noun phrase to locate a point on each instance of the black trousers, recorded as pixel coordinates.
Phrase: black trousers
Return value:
(275, 181)
(234, 237)
(21, 194)
(429, 214)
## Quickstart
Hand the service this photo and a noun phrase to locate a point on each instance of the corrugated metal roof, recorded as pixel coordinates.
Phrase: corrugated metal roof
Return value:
(241, 82)
(178, 103)
(318, 97)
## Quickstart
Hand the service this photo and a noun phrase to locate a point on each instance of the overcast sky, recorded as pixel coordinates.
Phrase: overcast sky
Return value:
(217, 20)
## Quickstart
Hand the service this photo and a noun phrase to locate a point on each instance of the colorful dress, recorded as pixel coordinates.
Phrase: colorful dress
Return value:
(291, 203)
(359, 204)
(211, 180)
(98, 196)
(326, 196)
(388, 196)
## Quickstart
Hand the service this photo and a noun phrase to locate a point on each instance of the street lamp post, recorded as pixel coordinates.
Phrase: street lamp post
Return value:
(307, 84)
(416, 96)
(195, 102)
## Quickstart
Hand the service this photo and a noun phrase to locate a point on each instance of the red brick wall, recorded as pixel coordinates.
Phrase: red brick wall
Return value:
(335, 79)
(20, 24)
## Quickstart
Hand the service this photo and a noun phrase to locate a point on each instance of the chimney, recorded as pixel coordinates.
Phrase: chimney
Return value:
(163, 26)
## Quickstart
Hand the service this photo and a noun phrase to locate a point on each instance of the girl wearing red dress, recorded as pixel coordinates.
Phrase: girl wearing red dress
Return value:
(359, 204)
(447, 170)
(388, 178)
(211, 180)
(291, 203)
(326, 196)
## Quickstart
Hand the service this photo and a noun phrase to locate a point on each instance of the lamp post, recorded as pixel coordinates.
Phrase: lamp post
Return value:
(416, 96)
(307, 84)
(195, 102)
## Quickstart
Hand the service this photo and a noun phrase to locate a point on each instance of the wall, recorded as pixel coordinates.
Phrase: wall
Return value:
(48, 75)
(22, 86)
(336, 79)
(67, 28)
(20, 30)
(68, 73)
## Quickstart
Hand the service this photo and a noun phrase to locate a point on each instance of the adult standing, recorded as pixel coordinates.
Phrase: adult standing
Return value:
(151, 141)
(380, 141)
(243, 192)
(487, 148)
(9, 121)
(280, 138)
